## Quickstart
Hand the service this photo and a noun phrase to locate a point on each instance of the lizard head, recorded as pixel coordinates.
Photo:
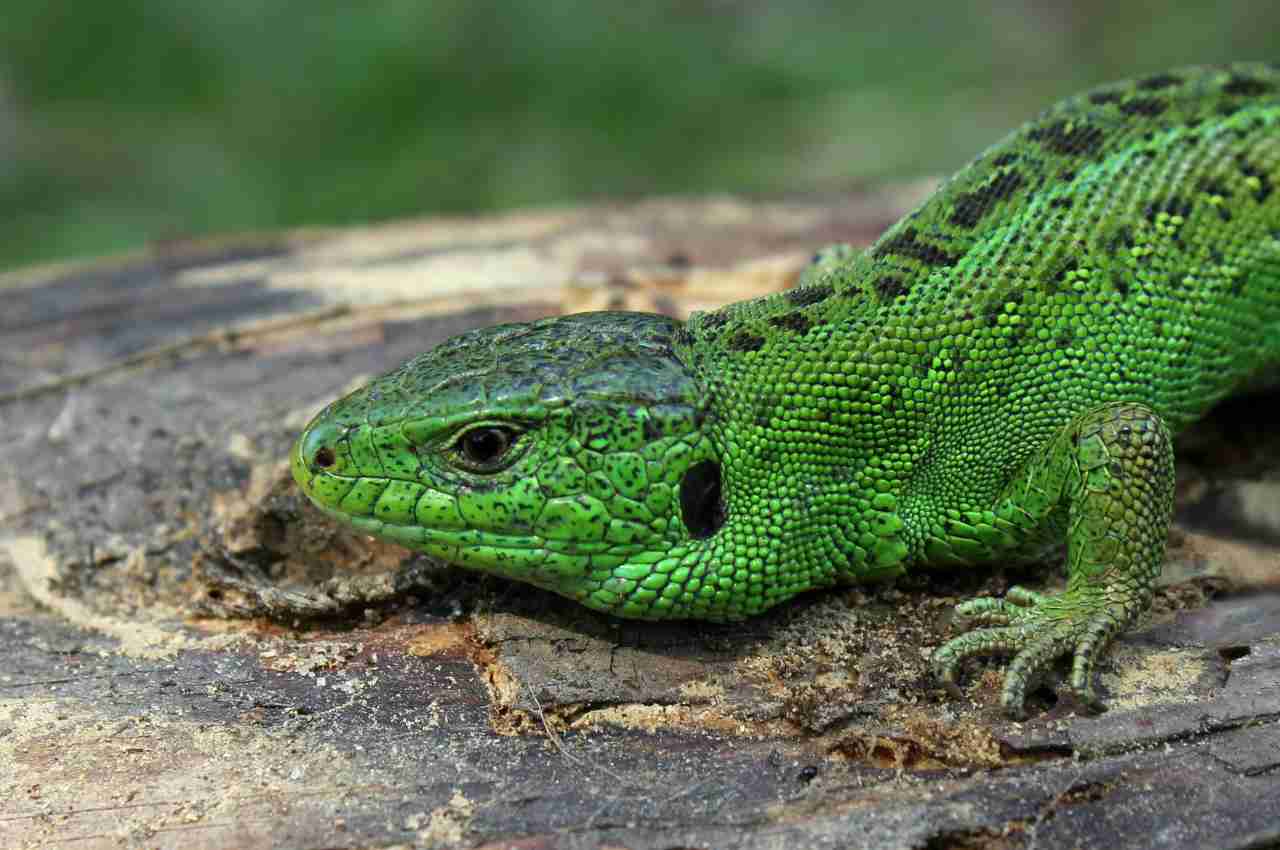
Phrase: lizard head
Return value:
(569, 453)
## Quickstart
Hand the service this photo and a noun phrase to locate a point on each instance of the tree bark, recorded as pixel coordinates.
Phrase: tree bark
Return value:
(196, 658)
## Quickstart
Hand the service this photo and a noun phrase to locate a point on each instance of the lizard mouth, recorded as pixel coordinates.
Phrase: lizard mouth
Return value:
(328, 491)
(428, 539)
(522, 557)
(451, 540)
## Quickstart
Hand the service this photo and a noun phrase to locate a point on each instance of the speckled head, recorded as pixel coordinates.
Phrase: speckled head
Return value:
(552, 452)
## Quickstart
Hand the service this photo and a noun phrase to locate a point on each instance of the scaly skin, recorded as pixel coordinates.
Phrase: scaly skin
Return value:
(1000, 372)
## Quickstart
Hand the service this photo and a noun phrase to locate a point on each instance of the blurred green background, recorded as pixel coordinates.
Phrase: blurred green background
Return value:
(138, 120)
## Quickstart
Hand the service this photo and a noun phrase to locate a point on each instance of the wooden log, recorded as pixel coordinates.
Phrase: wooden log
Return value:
(195, 658)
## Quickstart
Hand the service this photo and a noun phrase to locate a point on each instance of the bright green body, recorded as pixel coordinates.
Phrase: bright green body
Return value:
(999, 373)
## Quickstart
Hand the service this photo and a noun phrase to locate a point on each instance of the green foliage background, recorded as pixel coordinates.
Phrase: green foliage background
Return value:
(138, 120)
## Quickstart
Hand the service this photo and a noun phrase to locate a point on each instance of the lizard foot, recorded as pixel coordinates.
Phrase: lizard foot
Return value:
(1036, 629)
(1109, 474)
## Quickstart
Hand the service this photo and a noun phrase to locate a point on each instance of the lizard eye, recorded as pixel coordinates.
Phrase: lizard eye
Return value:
(485, 447)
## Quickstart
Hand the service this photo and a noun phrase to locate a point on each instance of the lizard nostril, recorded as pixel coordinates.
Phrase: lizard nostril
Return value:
(317, 449)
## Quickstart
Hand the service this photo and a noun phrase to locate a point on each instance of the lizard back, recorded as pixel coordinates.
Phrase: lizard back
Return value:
(1123, 246)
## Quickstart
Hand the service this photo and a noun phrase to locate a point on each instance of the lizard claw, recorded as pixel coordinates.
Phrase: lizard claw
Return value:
(1036, 629)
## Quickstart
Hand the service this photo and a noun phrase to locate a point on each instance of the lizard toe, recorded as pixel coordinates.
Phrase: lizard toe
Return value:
(1000, 640)
(1040, 633)
(1017, 604)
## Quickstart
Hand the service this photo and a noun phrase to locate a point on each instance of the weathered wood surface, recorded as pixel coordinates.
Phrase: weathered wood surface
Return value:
(148, 404)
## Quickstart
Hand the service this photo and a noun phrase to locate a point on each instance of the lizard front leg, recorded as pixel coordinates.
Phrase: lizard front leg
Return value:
(1111, 470)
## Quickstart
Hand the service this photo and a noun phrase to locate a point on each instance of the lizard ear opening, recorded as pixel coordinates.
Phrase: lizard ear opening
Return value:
(701, 506)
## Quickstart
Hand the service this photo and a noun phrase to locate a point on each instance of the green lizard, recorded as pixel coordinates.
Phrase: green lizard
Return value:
(1001, 372)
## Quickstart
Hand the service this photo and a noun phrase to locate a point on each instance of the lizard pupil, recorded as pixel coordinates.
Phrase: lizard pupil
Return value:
(324, 458)
(485, 445)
